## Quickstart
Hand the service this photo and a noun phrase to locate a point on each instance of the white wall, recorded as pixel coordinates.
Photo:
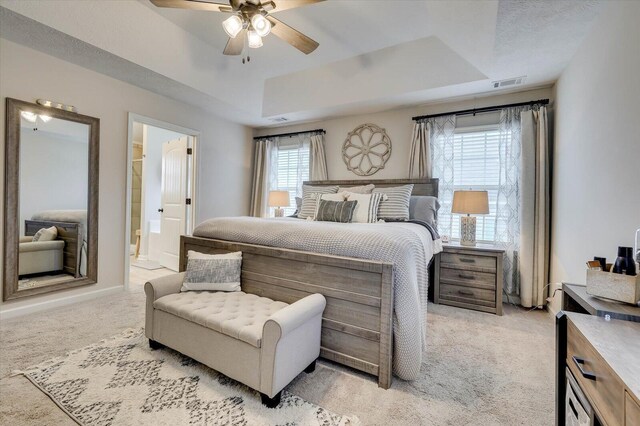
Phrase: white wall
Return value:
(596, 196)
(399, 126)
(225, 150)
(53, 173)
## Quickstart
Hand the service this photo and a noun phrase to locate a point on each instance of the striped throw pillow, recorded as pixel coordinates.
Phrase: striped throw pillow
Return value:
(396, 206)
(310, 202)
(335, 211)
(366, 210)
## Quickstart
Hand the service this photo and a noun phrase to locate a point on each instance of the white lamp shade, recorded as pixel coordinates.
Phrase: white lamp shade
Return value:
(232, 25)
(279, 199)
(470, 202)
(254, 40)
(261, 25)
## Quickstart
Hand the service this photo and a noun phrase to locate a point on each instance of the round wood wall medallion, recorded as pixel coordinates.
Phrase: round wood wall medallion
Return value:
(366, 149)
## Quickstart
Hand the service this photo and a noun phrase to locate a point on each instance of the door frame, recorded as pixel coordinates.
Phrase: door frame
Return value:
(192, 184)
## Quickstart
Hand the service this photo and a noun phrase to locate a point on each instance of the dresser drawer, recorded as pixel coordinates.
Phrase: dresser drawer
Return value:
(485, 280)
(603, 388)
(457, 260)
(471, 295)
(631, 411)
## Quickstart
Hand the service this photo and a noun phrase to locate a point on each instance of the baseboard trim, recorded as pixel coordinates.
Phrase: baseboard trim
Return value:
(10, 313)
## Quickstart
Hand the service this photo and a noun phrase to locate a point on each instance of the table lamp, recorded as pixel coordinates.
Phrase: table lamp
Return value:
(279, 199)
(469, 202)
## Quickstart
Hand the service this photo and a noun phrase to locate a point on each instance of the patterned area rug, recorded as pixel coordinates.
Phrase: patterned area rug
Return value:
(121, 381)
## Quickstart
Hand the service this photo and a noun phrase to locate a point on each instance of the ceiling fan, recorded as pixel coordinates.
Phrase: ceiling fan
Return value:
(251, 18)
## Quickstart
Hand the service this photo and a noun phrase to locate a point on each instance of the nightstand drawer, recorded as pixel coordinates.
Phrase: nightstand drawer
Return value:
(469, 260)
(475, 296)
(466, 278)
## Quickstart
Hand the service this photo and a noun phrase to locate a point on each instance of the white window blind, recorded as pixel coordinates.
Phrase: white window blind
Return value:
(477, 166)
(293, 169)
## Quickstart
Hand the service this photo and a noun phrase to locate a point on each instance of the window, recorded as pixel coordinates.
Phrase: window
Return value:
(292, 170)
(476, 165)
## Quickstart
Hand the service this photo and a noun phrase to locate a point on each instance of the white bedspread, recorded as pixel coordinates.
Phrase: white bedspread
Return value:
(409, 247)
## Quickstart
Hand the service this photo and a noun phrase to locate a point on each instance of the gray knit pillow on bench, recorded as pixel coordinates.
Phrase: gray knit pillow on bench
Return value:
(212, 272)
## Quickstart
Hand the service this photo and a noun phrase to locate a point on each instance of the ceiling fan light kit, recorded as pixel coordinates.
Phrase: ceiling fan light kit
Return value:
(253, 18)
(261, 25)
(254, 40)
(232, 25)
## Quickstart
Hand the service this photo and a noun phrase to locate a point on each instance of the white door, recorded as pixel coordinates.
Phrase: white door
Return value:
(173, 212)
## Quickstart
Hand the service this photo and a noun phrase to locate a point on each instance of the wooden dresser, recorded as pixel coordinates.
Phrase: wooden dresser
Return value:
(604, 358)
(469, 277)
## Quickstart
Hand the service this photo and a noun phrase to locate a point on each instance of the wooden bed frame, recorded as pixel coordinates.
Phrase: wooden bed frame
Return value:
(68, 232)
(357, 325)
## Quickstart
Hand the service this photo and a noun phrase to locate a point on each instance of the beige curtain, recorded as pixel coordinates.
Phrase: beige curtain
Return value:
(261, 178)
(535, 212)
(317, 158)
(419, 157)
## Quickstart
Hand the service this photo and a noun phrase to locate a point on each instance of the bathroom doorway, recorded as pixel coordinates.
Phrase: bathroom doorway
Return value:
(161, 196)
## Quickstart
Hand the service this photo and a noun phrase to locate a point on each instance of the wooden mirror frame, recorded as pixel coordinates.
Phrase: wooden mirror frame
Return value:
(12, 198)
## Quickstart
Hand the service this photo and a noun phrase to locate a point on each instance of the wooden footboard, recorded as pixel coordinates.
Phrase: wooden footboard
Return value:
(357, 322)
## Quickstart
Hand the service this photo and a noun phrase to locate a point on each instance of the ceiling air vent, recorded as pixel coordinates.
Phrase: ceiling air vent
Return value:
(516, 81)
(279, 119)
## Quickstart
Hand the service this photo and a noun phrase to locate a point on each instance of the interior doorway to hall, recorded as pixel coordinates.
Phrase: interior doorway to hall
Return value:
(161, 201)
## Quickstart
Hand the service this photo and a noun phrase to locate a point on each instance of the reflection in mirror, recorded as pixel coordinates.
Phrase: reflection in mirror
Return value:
(53, 200)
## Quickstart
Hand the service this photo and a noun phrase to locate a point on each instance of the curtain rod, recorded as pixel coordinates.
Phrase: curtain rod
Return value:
(290, 134)
(481, 110)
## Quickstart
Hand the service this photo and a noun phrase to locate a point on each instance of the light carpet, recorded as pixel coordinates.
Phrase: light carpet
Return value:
(121, 381)
(480, 369)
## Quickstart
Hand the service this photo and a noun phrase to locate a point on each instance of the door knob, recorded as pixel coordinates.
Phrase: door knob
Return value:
(160, 210)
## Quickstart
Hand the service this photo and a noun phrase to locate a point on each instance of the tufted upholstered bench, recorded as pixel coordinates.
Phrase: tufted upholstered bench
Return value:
(257, 341)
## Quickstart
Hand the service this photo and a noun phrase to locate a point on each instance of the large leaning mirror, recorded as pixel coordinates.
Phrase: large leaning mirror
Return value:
(50, 199)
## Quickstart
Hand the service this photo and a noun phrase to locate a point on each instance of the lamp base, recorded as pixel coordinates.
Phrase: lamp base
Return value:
(467, 231)
(279, 212)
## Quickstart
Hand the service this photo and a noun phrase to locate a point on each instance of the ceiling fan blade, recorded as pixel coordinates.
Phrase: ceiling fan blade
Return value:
(292, 36)
(194, 5)
(235, 45)
(281, 5)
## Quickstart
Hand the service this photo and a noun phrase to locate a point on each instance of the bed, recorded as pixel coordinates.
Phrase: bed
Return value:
(374, 276)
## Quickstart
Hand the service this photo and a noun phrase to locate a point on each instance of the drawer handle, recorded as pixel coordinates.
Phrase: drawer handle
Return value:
(465, 260)
(586, 374)
(465, 292)
(466, 277)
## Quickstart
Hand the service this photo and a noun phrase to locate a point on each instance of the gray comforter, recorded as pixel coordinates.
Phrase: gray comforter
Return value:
(409, 247)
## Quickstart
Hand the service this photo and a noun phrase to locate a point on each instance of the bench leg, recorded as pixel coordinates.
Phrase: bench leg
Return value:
(155, 345)
(311, 368)
(271, 402)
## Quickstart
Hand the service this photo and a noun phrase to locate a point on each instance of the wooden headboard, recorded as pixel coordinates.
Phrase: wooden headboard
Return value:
(69, 233)
(420, 186)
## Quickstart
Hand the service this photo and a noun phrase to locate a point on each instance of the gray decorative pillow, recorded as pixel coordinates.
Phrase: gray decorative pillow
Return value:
(335, 211)
(309, 202)
(46, 234)
(363, 189)
(212, 272)
(396, 206)
(424, 208)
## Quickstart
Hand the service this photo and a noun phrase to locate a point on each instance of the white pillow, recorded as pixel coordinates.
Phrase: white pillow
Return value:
(366, 210)
(46, 234)
(362, 189)
(212, 272)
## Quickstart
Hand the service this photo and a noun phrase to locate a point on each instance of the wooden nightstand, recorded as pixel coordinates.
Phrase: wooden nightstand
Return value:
(469, 277)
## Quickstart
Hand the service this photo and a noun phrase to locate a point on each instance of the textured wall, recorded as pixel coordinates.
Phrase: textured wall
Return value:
(399, 126)
(596, 201)
(225, 150)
